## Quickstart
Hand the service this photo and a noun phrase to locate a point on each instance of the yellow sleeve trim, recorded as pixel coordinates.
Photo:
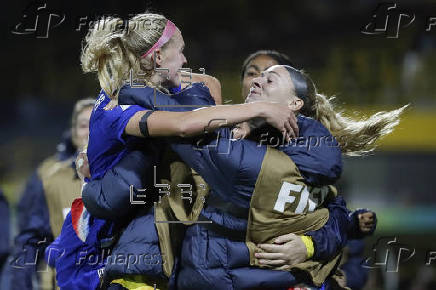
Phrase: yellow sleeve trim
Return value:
(309, 246)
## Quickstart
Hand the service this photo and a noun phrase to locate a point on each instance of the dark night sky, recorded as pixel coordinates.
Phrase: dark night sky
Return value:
(41, 78)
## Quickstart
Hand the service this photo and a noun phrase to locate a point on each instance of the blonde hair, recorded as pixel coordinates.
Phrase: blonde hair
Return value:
(113, 49)
(355, 137)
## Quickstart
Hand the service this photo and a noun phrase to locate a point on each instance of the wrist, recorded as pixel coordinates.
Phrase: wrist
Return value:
(308, 242)
(258, 109)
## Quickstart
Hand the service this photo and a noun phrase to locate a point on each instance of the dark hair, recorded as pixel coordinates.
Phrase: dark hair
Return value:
(304, 89)
(279, 57)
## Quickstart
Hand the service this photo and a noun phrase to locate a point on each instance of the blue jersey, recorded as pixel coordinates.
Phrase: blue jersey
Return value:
(107, 142)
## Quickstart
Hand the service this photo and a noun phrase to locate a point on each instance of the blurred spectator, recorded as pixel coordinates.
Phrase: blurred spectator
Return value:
(45, 202)
(4, 228)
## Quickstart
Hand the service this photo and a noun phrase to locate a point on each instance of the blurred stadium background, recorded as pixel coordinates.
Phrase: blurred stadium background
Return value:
(42, 79)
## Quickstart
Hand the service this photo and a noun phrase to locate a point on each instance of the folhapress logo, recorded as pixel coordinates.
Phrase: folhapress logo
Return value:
(389, 254)
(387, 20)
(38, 20)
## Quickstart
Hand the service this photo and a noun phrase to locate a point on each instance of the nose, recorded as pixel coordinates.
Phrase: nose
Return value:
(185, 61)
(257, 82)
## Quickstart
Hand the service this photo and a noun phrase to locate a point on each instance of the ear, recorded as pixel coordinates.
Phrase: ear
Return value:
(158, 54)
(296, 104)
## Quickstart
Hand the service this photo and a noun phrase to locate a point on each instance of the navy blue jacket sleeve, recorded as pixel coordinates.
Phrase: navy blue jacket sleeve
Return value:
(4, 228)
(341, 226)
(34, 234)
(109, 197)
(332, 237)
(356, 275)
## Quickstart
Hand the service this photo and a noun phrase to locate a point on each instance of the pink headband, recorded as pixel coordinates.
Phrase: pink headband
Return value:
(168, 32)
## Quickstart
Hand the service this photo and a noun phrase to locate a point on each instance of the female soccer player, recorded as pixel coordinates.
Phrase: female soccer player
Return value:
(285, 249)
(317, 165)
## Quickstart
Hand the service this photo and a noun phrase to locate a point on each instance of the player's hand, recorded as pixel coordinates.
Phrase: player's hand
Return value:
(366, 221)
(286, 251)
(241, 130)
(82, 165)
(282, 117)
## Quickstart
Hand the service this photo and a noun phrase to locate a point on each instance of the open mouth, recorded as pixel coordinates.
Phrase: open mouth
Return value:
(254, 91)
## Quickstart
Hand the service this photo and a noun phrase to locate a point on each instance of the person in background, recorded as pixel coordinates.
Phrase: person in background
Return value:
(351, 264)
(4, 237)
(45, 202)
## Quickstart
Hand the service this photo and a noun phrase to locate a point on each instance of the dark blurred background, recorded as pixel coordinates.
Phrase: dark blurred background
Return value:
(42, 79)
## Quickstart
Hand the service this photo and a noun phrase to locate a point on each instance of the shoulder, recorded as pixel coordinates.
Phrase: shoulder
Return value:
(135, 90)
(104, 116)
(316, 152)
(315, 132)
(317, 137)
(51, 165)
(311, 127)
(48, 162)
(197, 94)
(208, 81)
(101, 101)
(142, 95)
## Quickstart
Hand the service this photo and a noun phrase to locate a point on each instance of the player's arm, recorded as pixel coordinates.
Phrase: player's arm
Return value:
(191, 123)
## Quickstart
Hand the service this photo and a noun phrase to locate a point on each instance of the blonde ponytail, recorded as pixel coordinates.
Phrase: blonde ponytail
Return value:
(355, 137)
(102, 52)
(113, 49)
